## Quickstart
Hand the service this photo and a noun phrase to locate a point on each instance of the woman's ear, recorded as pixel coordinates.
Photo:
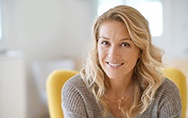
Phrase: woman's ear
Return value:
(139, 55)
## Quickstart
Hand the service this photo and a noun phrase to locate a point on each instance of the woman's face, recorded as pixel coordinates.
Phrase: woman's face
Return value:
(117, 54)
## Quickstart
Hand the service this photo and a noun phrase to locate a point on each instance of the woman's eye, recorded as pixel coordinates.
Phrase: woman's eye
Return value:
(125, 44)
(105, 42)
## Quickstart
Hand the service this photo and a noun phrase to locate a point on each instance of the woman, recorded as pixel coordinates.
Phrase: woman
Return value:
(121, 78)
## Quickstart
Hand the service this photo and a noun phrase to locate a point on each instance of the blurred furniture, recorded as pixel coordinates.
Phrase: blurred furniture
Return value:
(12, 85)
(40, 72)
(54, 85)
(179, 79)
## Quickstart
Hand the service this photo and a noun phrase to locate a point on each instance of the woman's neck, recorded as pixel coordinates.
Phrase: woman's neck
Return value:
(118, 87)
(119, 96)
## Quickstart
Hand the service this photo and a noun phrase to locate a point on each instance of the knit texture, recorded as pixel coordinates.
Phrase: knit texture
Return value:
(79, 102)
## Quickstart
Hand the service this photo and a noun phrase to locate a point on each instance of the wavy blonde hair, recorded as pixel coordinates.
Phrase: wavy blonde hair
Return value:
(147, 76)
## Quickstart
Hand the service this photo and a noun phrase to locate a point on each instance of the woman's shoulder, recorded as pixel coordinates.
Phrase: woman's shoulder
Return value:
(78, 100)
(168, 87)
(168, 94)
(76, 85)
(75, 81)
(166, 102)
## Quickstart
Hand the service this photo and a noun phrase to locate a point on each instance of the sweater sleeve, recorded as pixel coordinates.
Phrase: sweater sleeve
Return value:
(170, 102)
(72, 102)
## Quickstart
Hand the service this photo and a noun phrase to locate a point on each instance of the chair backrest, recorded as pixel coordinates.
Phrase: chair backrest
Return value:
(42, 68)
(57, 79)
(54, 85)
(179, 79)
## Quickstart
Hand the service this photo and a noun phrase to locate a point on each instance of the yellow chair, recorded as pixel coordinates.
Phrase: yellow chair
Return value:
(54, 85)
(57, 78)
(179, 79)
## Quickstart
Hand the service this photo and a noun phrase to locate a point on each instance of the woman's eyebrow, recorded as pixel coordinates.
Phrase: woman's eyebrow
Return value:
(126, 39)
(103, 37)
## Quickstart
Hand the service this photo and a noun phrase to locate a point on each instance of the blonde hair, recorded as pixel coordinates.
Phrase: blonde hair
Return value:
(146, 78)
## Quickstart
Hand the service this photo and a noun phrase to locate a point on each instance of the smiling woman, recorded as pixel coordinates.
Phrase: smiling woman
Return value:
(121, 77)
(117, 53)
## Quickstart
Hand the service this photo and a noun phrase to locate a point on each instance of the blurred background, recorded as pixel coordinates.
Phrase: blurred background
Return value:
(39, 36)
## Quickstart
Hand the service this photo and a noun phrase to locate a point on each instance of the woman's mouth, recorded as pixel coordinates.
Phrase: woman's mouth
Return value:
(114, 64)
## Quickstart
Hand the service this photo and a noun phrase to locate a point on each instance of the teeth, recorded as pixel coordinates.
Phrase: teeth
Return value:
(114, 64)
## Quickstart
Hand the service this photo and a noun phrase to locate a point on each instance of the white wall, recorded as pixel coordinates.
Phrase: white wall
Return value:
(12, 86)
(46, 29)
(53, 27)
(175, 37)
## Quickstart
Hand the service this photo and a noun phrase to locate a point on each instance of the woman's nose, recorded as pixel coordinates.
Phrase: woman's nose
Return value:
(113, 52)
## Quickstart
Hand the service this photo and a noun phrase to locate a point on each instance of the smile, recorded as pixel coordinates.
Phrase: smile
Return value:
(114, 65)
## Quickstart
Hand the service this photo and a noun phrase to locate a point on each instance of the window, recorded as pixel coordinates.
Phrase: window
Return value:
(104, 5)
(151, 9)
(2, 41)
(0, 24)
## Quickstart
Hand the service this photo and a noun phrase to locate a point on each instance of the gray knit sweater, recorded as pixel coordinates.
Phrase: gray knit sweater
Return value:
(79, 102)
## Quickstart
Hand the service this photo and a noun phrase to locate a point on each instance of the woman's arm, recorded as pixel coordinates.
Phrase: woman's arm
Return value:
(170, 105)
(72, 102)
